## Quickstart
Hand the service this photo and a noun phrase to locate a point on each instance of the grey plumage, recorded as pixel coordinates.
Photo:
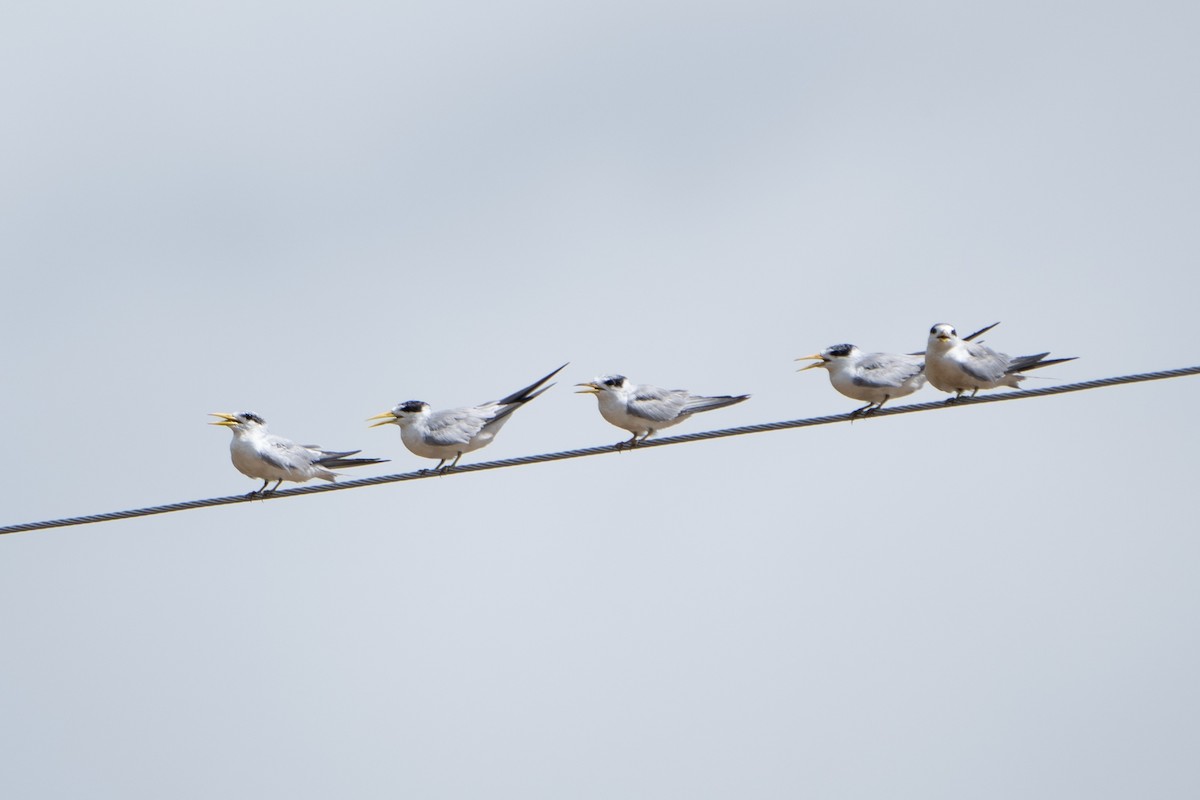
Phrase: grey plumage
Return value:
(259, 454)
(447, 434)
(341, 459)
(643, 409)
(955, 365)
(663, 405)
(884, 370)
(873, 378)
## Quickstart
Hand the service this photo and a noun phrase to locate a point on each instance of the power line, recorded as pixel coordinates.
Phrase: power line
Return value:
(602, 450)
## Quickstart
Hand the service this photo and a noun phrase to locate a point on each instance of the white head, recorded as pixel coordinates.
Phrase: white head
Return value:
(831, 357)
(241, 424)
(402, 413)
(942, 335)
(606, 384)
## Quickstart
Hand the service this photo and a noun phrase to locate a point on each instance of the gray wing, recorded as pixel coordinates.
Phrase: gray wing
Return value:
(885, 370)
(336, 459)
(655, 404)
(285, 454)
(985, 363)
(456, 426)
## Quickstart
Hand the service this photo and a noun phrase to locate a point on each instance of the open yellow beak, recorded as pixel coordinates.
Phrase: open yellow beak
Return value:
(227, 420)
(387, 417)
(590, 388)
(818, 361)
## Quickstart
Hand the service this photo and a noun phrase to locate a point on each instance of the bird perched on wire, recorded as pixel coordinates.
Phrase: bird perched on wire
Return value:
(957, 365)
(873, 378)
(446, 435)
(259, 454)
(644, 409)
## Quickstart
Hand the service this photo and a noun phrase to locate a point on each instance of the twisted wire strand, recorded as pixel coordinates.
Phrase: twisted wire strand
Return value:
(601, 450)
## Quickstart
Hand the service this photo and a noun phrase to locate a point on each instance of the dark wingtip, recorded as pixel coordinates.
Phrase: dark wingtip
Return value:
(1035, 361)
(354, 462)
(531, 391)
(980, 332)
(1050, 362)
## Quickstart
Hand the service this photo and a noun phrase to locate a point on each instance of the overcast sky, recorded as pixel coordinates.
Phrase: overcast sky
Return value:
(314, 210)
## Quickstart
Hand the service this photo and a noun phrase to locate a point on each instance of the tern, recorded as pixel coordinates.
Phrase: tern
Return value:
(957, 365)
(873, 378)
(267, 457)
(644, 409)
(446, 435)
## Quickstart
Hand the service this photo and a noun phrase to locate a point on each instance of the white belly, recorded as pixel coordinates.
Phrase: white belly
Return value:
(613, 410)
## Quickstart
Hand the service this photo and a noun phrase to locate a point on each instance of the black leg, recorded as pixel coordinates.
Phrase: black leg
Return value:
(453, 463)
(878, 405)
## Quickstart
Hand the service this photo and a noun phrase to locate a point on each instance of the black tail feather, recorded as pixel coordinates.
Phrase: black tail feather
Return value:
(329, 458)
(1048, 362)
(980, 332)
(338, 462)
(1035, 361)
(528, 393)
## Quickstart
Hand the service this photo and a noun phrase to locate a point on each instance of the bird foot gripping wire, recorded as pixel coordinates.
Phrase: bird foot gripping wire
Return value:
(865, 411)
(962, 397)
(451, 465)
(263, 492)
(634, 441)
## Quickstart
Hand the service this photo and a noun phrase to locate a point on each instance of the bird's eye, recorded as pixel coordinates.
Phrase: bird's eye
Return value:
(953, 332)
(933, 329)
(613, 381)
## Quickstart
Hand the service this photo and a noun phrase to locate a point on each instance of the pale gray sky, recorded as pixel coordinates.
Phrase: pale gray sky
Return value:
(315, 210)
